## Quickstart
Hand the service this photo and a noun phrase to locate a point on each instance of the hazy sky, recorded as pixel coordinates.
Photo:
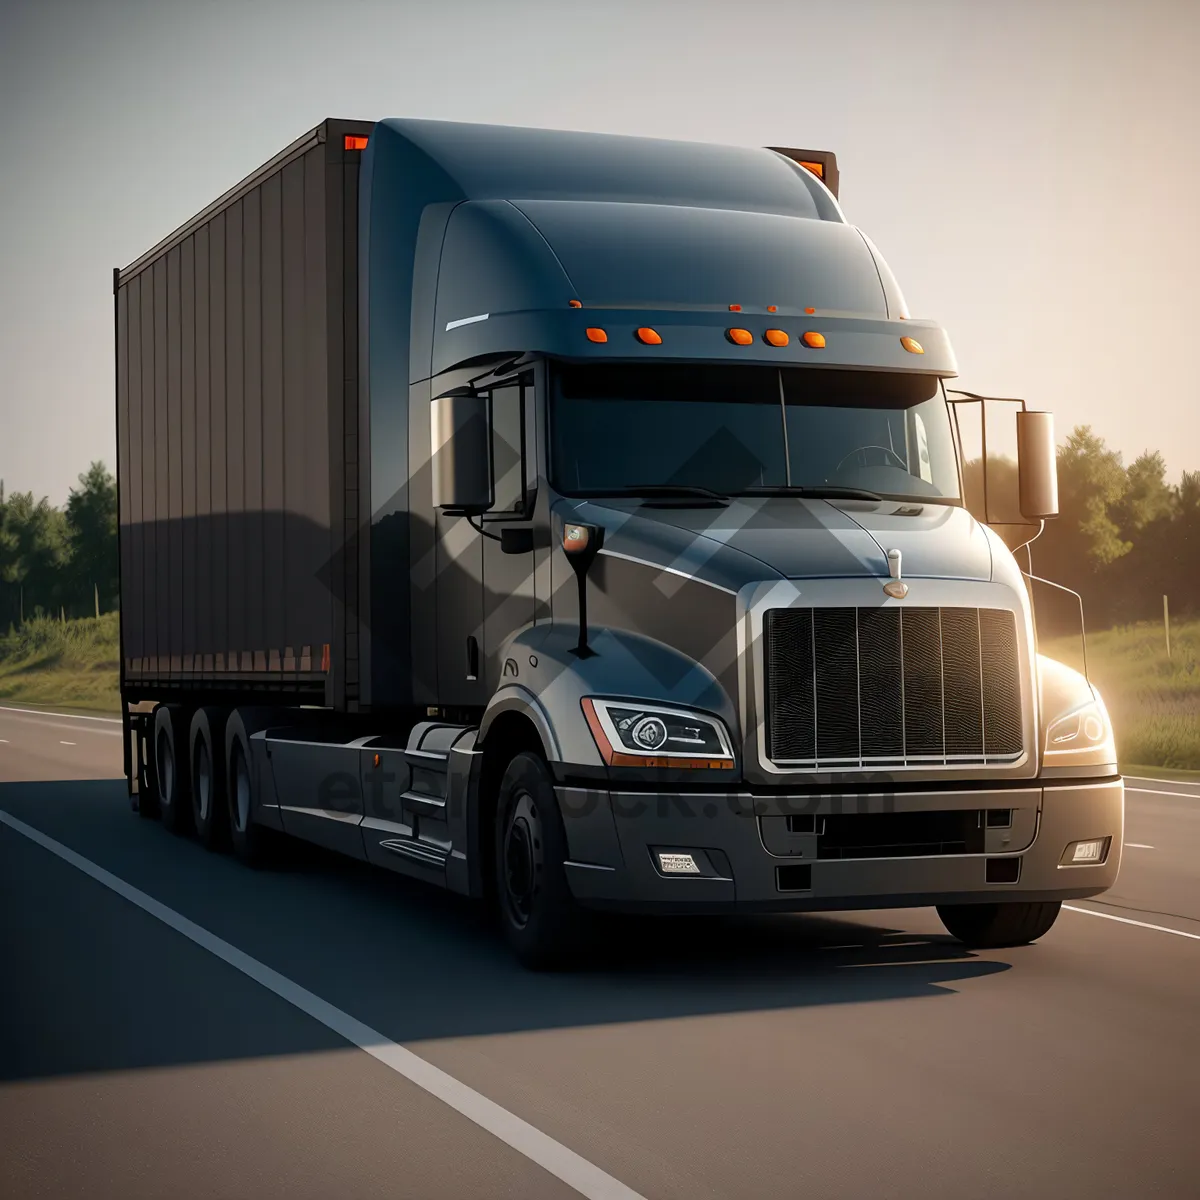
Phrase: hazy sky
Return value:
(1029, 170)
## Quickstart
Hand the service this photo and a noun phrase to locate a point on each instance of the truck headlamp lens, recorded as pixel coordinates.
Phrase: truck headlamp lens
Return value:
(631, 734)
(1079, 730)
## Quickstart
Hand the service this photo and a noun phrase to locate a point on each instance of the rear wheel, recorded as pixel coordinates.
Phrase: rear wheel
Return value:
(991, 926)
(208, 776)
(248, 838)
(171, 768)
(538, 914)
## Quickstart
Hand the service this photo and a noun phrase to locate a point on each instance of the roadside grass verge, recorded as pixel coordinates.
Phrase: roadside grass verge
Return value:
(72, 664)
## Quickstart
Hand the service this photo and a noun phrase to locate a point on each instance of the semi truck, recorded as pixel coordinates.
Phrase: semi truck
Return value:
(581, 523)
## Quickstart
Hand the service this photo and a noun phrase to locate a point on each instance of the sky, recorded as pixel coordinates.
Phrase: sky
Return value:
(1029, 170)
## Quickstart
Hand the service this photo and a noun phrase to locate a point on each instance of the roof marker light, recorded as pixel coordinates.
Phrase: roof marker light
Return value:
(735, 308)
(649, 337)
(810, 311)
(355, 141)
(815, 340)
(740, 337)
(776, 337)
(912, 345)
(772, 308)
(575, 303)
(597, 335)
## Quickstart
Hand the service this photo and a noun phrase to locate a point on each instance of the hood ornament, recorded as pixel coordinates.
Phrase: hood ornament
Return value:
(895, 586)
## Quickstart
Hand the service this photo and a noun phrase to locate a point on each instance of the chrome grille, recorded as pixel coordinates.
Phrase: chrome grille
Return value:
(891, 686)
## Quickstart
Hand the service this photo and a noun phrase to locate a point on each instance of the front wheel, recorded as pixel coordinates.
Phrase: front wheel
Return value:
(992, 926)
(540, 918)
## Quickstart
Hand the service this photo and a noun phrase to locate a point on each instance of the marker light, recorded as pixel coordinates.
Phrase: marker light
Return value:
(912, 345)
(597, 335)
(576, 538)
(649, 337)
(355, 142)
(815, 340)
(735, 308)
(818, 169)
(772, 308)
(740, 337)
(776, 337)
(575, 303)
(810, 311)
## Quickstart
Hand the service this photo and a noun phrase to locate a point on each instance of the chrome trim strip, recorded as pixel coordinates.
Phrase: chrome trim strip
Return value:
(466, 321)
(643, 562)
(586, 866)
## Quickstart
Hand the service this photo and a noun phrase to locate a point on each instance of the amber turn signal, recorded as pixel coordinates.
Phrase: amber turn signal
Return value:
(776, 337)
(815, 340)
(912, 345)
(649, 337)
(740, 337)
(597, 335)
(575, 303)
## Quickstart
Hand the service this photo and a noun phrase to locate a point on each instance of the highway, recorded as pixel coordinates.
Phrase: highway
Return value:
(174, 1024)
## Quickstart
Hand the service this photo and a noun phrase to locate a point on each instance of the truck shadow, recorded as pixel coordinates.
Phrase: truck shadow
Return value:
(410, 961)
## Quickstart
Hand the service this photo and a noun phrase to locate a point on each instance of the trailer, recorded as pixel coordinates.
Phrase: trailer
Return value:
(580, 521)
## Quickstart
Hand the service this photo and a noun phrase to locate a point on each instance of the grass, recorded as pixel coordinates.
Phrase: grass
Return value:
(1154, 701)
(50, 663)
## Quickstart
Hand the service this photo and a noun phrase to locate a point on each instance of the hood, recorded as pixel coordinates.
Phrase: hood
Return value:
(794, 538)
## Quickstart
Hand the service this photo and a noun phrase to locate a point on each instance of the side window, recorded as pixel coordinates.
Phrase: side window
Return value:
(508, 449)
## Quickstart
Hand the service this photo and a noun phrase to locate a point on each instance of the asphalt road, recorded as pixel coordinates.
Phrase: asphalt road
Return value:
(834, 1056)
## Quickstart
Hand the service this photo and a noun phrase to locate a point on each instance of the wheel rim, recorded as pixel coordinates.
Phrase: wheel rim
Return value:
(241, 789)
(522, 859)
(166, 768)
(203, 781)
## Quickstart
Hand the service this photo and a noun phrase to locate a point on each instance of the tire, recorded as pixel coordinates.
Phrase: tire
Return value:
(147, 791)
(171, 771)
(249, 840)
(538, 914)
(206, 743)
(992, 926)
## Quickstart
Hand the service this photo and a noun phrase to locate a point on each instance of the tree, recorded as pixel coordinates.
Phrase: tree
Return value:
(92, 520)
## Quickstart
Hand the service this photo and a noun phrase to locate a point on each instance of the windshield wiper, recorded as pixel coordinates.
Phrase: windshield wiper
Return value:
(672, 491)
(813, 492)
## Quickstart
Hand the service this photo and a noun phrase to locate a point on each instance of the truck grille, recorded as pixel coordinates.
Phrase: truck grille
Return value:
(891, 686)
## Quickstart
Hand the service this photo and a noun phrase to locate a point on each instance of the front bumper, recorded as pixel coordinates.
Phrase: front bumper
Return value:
(746, 839)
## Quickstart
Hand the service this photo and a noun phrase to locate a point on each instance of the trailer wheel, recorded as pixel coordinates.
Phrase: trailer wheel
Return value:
(992, 926)
(171, 768)
(248, 838)
(538, 914)
(207, 744)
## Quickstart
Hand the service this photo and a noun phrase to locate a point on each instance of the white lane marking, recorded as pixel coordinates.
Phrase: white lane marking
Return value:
(38, 712)
(1091, 912)
(1160, 792)
(62, 743)
(1138, 846)
(574, 1170)
(466, 321)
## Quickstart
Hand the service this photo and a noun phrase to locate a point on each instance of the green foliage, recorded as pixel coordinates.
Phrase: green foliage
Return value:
(56, 561)
(73, 664)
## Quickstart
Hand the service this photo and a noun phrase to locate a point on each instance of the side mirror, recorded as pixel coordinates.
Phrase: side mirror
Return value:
(460, 454)
(1037, 463)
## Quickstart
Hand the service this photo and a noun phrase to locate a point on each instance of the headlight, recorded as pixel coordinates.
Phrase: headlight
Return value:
(629, 734)
(1079, 730)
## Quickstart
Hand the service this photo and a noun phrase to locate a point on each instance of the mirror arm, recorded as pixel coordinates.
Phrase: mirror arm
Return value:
(480, 529)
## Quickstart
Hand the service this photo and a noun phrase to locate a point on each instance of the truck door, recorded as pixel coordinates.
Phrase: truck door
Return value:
(508, 579)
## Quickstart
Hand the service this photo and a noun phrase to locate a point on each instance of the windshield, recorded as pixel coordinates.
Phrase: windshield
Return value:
(736, 429)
